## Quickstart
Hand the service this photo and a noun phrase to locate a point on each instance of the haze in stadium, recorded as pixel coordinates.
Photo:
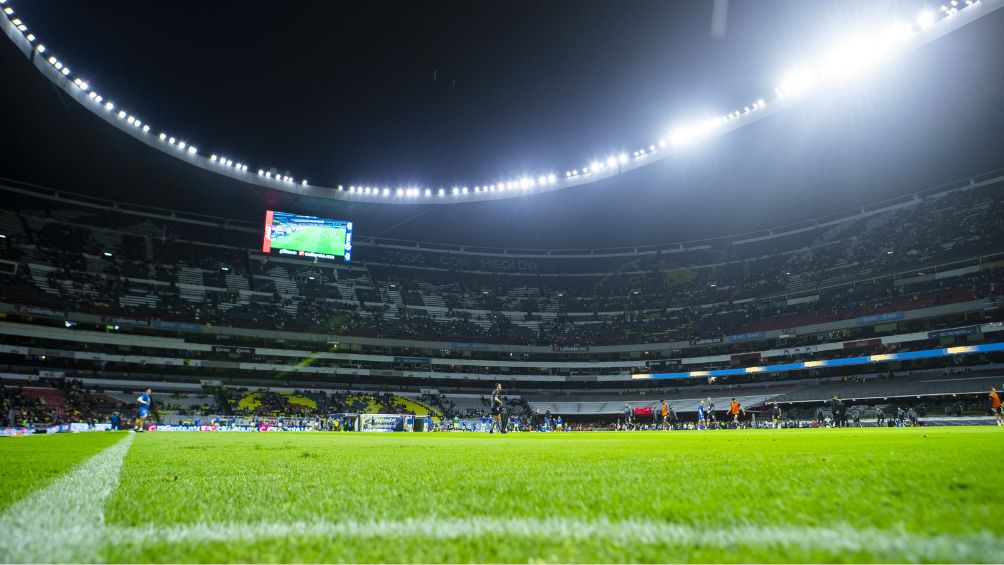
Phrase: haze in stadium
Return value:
(564, 282)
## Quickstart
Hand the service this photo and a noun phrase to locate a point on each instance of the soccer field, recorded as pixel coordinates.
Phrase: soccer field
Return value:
(318, 239)
(786, 495)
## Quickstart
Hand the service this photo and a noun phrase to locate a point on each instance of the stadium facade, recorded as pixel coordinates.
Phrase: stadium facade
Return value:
(894, 303)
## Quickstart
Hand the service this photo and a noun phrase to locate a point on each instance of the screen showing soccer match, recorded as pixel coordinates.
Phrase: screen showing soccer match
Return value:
(307, 236)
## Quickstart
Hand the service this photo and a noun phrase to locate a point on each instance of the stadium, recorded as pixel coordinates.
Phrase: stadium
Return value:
(567, 282)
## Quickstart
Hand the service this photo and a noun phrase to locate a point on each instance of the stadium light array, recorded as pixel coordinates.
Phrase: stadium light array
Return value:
(847, 59)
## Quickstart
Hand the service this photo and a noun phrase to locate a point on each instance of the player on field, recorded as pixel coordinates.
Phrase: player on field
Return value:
(665, 414)
(701, 423)
(734, 409)
(144, 410)
(628, 413)
(879, 417)
(496, 422)
(775, 415)
(709, 412)
(995, 406)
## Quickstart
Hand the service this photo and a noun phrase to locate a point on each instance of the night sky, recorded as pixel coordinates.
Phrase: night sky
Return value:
(444, 93)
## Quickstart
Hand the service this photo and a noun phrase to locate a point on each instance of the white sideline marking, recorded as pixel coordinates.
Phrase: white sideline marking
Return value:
(63, 522)
(903, 546)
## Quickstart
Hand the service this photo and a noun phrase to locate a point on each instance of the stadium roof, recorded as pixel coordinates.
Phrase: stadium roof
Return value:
(905, 130)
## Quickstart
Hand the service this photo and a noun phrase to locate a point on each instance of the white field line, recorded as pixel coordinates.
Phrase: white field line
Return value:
(899, 545)
(63, 522)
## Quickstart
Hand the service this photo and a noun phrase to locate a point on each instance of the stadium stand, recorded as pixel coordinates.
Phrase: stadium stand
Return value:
(115, 296)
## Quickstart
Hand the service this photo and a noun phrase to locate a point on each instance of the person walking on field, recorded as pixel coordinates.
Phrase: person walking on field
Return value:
(995, 406)
(143, 410)
(734, 409)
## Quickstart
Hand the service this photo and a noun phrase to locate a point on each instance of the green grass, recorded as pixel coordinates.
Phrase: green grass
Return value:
(314, 238)
(32, 462)
(934, 488)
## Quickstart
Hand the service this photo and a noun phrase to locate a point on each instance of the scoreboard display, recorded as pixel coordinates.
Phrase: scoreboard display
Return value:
(307, 236)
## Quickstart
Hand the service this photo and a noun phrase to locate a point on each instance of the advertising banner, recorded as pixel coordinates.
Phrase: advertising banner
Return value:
(705, 340)
(744, 337)
(954, 332)
(865, 320)
(381, 423)
(570, 348)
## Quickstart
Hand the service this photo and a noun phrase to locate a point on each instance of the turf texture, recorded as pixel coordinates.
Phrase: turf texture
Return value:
(890, 495)
(32, 462)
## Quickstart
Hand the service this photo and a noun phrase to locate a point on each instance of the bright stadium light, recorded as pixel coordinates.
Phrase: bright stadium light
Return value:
(846, 60)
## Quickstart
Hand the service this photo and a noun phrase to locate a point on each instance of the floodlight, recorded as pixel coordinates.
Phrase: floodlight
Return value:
(193, 150)
(146, 129)
(925, 19)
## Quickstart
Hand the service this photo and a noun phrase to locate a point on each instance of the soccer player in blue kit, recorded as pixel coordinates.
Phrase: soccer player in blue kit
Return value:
(144, 410)
(701, 424)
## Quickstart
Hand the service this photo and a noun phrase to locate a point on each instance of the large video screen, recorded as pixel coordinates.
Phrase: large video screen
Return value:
(307, 236)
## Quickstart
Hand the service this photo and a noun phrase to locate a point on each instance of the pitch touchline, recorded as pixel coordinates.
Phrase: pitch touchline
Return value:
(901, 545)
(64, 521)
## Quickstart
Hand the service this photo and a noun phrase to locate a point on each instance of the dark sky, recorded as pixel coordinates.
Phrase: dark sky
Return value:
(443, 93)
